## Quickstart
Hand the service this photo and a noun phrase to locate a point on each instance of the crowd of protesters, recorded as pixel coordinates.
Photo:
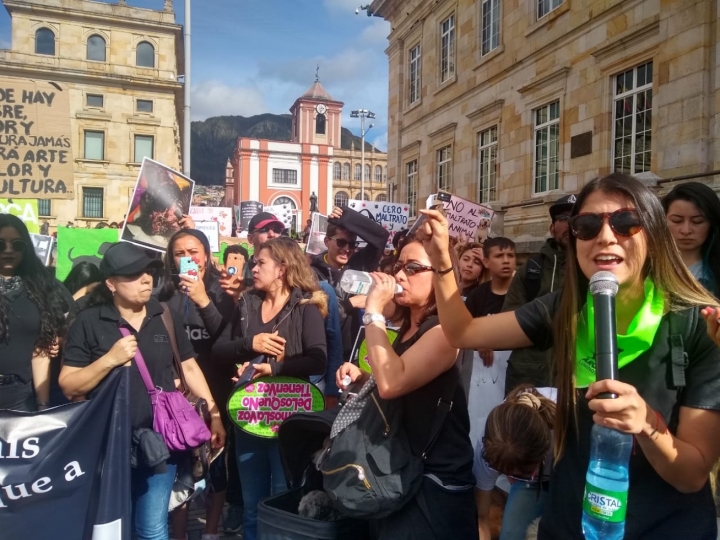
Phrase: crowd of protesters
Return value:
(459, 300)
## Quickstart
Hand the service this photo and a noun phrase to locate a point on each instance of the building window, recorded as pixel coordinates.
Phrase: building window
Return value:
(341, 199)
(362, 197)
(44, 207)
(414, 75)
(144, 105)
(96, 48)
(487, 165)
(346, 171)
(547, 147)
(358, 170)
(144, 147)
(384, 174)
(320, 124)
(447, 48)
(145, 55)
(285, 176)
(381, 197)
(378, 173)
(444, 168)
(411, 178)
(546, 6)
(490, 25)
(45, 42)
(95, 145)
(95, 100)
(632, 119)
(288, 201)
(337, 171)
(92, 202)
(367, 176)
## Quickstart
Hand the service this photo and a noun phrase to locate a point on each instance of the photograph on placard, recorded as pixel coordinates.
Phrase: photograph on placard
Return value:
(245, 212)
(318, 229)
(160, 200)
(42, 244)
(221, 214)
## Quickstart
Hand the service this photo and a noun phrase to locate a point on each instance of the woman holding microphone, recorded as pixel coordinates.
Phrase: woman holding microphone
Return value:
(618, 225)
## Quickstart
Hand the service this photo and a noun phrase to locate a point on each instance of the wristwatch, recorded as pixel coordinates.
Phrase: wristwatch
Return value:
(372, 317)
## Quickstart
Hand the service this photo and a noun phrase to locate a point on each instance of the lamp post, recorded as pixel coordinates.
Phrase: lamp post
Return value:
(362, 114)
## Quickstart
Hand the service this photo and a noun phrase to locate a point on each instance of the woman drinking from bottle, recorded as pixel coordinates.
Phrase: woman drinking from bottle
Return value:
(669, 369)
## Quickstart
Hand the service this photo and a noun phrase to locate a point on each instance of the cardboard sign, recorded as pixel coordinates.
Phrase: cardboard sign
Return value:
(43, 247)
(359, 353)
(284, 212)
(392, 216)
(160, 199)
(35, 152)
(245, 212)
(211, 230)
(467, 219)
(260, 406)
(79, 245)
(25, 209)
(318, 228)
(214, 213)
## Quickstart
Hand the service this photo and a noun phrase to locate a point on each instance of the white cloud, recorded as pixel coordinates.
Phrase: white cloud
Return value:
(346, 5)
(215, 98)
(376, 33)
(381, 142)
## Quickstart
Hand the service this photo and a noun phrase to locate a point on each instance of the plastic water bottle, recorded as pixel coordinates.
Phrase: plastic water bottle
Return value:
(606, 485)
(355, 282)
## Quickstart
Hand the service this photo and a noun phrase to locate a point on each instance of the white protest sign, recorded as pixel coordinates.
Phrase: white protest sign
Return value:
(392, 216)
(43, 247)
(214, 213)
(316, 240)
(467, 219)
(284, 212)
(211, 230)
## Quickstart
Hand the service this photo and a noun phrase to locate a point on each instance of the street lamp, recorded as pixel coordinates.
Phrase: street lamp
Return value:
(362, 114)
(313, 202)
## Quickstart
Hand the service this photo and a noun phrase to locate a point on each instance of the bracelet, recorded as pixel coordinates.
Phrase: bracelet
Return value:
(659, 422)
(443, 272)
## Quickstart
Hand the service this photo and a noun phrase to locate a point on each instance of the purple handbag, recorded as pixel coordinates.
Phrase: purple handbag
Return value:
(174, 418)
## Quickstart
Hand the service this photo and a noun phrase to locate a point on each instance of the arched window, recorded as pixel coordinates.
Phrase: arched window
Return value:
(381, 197)
(292, 205)
(360, 197)
(384, 174)
(367, 173)
(346, 171)
(378, 173)
(45, 42)
(96, 48)
(366, 197)
(337, 171)
(145, 55)
(320, 124)
(341, 199)
(357, 172)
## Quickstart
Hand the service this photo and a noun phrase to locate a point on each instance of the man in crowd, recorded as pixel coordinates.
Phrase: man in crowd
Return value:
(345, 226)
(262, 227)
(541, 274)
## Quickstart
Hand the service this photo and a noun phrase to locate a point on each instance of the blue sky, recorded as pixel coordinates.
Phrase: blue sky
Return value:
(256, 56)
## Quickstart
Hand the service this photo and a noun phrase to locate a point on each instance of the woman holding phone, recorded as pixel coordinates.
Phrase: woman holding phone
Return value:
(618, 225)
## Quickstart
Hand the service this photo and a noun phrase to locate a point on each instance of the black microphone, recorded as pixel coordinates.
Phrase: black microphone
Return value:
(604, 287)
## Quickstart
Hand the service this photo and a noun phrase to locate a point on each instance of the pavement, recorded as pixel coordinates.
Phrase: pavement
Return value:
(196, 525)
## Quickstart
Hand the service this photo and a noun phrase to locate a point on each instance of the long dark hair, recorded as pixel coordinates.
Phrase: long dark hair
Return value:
(42, 290)
(170, 278)
(663, 264)
(708, 203)
(82, 274)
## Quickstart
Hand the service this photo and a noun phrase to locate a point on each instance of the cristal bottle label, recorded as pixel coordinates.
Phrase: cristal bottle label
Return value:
(604, 504)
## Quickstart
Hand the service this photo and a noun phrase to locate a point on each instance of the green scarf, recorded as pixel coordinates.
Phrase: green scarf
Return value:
(640, 336)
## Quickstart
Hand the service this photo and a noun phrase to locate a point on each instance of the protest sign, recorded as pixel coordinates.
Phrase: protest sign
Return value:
(392, 216)
(284, 212)
(214, 213)
(81, 245)
(316, 240)
(467, 219)
(66, 471)
(359, 355)
(245, 212)
(211, 230)
(43, 247)
(260, 406)
(161, 197)
(35, 153)
(25, 209)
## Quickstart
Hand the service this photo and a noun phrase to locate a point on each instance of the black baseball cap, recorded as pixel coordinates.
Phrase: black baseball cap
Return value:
(563, 204)
(125, 259)
(263, 219)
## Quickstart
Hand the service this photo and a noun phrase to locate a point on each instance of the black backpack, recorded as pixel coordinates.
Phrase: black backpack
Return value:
(533, 276)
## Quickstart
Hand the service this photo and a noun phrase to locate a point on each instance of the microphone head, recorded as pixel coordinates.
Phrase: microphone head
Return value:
(604, 283)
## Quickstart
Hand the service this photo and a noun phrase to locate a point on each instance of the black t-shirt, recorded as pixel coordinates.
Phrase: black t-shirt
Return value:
(96, 330)
(482, 301)
(16, 350)
(655, 509)
(451, 457)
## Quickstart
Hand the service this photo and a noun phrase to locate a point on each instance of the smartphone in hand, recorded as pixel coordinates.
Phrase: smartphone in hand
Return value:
(249, 371)
(189, 268)
(435, 202)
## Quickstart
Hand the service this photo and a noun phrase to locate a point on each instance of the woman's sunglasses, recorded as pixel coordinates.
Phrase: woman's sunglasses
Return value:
(623, 222)
(17, 245)
(410, 268)
(342, 243)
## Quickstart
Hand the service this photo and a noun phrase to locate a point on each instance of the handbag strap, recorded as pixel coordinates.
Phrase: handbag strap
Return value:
(444, 406)
(141, 365)
(170, 327)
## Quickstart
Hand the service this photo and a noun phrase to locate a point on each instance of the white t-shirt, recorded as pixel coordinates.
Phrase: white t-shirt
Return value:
(485, 477)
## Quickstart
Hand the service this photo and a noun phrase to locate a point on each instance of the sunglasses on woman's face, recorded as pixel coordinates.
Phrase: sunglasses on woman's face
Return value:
(16, 245)
(623, 222)
(410, 268)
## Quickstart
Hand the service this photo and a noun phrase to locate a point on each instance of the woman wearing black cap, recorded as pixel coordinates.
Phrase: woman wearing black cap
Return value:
(95, 347)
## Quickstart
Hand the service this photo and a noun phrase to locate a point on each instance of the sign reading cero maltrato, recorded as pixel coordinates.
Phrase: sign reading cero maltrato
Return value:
(35, 150)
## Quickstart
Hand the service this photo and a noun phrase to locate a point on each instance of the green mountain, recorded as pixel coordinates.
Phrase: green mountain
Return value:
(215, 139)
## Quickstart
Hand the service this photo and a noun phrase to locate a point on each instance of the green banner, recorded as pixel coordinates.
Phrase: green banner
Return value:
(25, 209)
(260, 406)
(360, 352)
(77, 245)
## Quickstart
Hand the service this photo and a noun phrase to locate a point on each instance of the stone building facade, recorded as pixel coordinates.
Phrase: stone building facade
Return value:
(120, 65)
(347, 176)
(515, 103)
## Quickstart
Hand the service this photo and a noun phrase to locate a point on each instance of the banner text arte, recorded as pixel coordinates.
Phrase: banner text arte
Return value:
(28, 449)
(35, 149)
